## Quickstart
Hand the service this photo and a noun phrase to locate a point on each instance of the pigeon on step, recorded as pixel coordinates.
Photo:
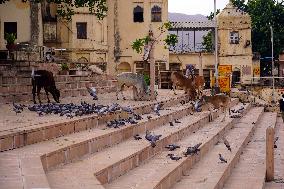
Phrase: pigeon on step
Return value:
(173, 157)
(172, 147)
(227, 144)
(157, 108)
(222, 159)
(177, 121)
(192, 150)
(137, 137)
(149, 117)
(93, 92)
(275, 140)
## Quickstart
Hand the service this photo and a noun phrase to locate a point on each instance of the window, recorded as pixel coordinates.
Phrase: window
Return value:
(10, 27)
(81, 30)
(138, 14)
(156, 14)
(234, 37)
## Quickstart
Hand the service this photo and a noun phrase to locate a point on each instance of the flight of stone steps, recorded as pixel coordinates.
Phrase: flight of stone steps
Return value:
(83, 153)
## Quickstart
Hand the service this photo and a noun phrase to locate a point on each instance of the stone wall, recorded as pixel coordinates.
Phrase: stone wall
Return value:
(18, 89)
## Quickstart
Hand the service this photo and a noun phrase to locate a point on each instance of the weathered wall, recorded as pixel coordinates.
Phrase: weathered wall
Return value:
(122, 31)
(238, 55)
(15, 11)
(207, 59)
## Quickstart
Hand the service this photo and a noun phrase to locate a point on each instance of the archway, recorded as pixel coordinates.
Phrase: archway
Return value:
(123, 67)
(82, 59)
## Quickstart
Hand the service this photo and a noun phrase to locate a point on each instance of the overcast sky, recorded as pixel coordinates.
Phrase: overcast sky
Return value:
(192, 7)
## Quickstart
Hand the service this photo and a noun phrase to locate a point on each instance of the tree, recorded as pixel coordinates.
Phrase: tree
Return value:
(265, 13)
(66, 7)
(207, 42)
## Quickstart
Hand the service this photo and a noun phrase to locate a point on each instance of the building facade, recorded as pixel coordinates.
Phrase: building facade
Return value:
(131, 20)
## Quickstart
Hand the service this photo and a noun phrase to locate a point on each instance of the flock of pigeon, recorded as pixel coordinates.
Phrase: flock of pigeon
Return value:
(70, 110)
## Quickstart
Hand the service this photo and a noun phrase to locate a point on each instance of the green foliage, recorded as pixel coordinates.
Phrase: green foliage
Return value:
(263, 14)
(64, 66)
(139, 43)
(147, 79)
(208, 42)
(171, 40)
(211, 15)
(66, 7)
(10, 38)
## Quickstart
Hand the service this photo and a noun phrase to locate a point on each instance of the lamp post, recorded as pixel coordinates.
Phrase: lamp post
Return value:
(272, 59)
(216, 47)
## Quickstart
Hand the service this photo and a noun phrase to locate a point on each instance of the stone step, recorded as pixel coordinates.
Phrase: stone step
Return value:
(162, 172)
(111, 163)
(209, 172)
(26, 135)
(250, 171)
(63, 150)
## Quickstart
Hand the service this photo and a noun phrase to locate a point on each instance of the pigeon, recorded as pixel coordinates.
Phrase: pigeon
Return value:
(171, 124)
(173, 157)
(192, 150)
(182, 102)
(137, 137)
(197, 106)
(275, 140)
(177, 121)
(227, 144)
(152, 138)
(128, 109)
(93, 92)
(172, 147)
(157, 108)
(149, 117)
(222, 159)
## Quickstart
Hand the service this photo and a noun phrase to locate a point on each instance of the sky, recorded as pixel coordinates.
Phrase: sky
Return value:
(192, 7)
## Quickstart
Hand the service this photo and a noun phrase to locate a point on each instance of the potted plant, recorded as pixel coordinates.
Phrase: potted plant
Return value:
(10, 38)
(64, 69)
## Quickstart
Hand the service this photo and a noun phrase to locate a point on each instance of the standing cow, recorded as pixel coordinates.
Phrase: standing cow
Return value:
(136, 81)
(44, 79)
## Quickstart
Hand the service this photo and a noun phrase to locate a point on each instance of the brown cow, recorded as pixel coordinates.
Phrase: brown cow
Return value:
(219, 101)
(199, 84)
(181, 81)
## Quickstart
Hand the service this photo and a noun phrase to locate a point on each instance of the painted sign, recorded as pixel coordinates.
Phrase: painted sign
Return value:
(224, 84)
(256, 71)
(225, 70)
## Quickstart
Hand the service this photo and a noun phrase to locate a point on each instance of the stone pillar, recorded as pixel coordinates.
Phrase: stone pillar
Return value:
(36, 24)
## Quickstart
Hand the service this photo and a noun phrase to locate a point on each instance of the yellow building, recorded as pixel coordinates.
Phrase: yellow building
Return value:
(16, 17)
(234, 36)
(128, 21)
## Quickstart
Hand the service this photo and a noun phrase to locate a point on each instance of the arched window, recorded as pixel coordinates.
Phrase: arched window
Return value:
(138, 14)
(156, 14)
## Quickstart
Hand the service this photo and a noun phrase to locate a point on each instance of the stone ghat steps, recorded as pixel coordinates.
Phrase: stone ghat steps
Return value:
(22, 136)
(250, 171)
(113, 162)
(161, 171)
(209, 172)
(19, 172)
